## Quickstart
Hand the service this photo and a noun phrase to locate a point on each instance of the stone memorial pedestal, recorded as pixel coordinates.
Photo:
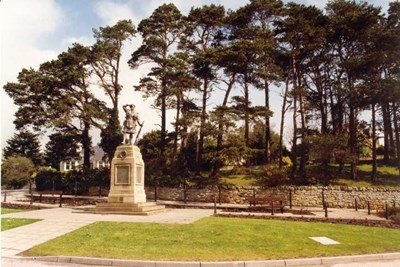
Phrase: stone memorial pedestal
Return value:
(127, 194)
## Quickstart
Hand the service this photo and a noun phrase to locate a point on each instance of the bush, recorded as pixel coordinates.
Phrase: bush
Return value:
(84, 179)
(273, 176)
(396, 218)
(240, 170)
(49, 179)
(16, 172)
(287, 161)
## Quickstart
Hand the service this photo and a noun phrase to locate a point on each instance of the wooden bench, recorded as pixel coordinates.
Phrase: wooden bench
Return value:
(272, 203)
(41, 193)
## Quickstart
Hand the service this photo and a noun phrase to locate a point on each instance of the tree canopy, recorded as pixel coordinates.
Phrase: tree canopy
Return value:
(332, 65)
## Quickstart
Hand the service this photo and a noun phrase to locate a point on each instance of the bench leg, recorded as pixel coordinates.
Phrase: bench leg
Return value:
(272, 208)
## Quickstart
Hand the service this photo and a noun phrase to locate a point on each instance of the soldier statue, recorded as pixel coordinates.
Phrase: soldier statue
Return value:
(131, 118)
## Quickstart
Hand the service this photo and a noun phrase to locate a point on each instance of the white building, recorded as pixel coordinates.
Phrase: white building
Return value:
(96, 161)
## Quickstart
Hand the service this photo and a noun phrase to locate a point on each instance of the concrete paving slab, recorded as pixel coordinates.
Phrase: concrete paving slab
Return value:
(271, 263)
(223, 264)
(303, 262)
(394, 263)
(91, 261)
(177, 264)
(334, 260)
(135, 263)
(391, 256)
(324, 240)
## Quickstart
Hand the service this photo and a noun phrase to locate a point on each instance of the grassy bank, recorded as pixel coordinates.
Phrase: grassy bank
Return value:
(388, 176)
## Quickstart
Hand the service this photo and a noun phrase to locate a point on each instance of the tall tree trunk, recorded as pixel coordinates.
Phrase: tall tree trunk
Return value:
(303, 152)
(267, 125)
(353, 142)
(283, 111)
(175, 147)
(86, 145)
(246, 112)
(163, 127)
(202, 128)
(218, 161)
(294, 140)
(386, 123)
(374, 174)
(392, 146)
(397, 133)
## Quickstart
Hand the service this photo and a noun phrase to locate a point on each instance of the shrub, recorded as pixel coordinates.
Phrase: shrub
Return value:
(396, 218)
(393, 211)
(16, 171)
(84, 179)
(240, 170)
(49, 179)
(287, 161)
(273, 176)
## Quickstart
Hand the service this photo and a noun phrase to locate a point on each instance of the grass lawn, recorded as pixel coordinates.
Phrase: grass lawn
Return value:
(388, 176)
(219, 239)
(9, 223)
(6, 211)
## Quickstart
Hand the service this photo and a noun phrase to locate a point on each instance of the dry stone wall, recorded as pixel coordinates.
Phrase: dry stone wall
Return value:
(304, 196)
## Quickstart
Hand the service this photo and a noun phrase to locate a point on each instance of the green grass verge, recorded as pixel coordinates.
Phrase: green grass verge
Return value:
(219, 239)
(9, 223)
(6, 211)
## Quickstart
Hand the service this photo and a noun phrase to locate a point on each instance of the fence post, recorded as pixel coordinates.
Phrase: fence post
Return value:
(5, 196)
(386, 211)
(369, 208)
(76, 188)
(60, 200)
(184, 192)
(290, 198)
(215, 203)
(219, 194)
(155, 191)
(356, 204)
(272, 207)
(326, 209)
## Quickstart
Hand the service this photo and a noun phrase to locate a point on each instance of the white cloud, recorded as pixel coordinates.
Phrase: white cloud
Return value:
(111, 12)
(23, 26)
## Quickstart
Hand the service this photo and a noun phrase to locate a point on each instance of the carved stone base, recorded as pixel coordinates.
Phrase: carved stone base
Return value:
(127, 176)
(148, 208)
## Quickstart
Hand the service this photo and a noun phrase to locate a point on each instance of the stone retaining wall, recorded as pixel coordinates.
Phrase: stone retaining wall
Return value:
(305, 196)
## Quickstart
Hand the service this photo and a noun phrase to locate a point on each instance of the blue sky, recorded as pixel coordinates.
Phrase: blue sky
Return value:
(35, 31)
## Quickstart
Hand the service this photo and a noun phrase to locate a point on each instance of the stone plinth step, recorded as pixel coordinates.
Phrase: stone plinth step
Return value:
(148, 208)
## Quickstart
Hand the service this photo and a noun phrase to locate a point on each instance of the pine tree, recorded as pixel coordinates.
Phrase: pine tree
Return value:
(24, 144)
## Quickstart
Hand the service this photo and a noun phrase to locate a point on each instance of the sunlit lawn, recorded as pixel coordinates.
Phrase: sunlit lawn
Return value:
(219, 239)
(9, 223)
(388, 176)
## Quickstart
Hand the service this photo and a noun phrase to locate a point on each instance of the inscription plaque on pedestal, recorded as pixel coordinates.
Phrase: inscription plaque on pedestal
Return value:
(122, 173)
